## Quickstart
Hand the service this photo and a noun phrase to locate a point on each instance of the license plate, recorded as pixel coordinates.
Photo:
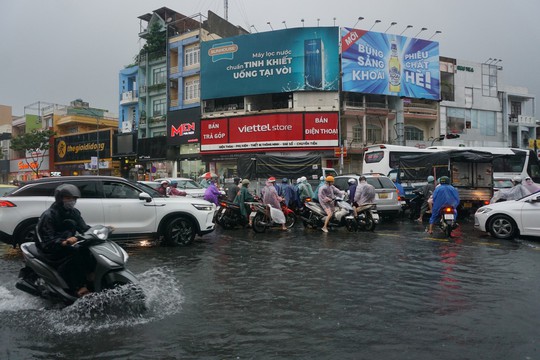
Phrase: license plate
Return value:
(383, 196)
(252, 214)
(402, 202)
(467, 205)
(448, 216)
(375, 216)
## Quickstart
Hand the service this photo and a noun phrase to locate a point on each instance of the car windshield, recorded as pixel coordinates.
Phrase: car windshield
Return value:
(188, 184)
(5, 190)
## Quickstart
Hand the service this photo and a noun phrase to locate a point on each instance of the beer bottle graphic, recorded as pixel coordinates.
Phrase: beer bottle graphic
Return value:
(394, 69)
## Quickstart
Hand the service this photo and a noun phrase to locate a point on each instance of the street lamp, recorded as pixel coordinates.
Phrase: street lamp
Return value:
(253, 26)
(270, 25)
(285, 24)
(357, 21)
(423, 29)
(407, 28)
(391, 24)
(436, 32)
(302, 20)
(376, 22)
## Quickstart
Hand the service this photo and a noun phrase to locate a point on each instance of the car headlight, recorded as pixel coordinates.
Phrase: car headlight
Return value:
(204, 207)
(483, 210)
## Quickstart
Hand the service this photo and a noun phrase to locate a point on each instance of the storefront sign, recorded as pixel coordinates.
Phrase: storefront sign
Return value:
(81, 147)
(258, 133)
(183, 126)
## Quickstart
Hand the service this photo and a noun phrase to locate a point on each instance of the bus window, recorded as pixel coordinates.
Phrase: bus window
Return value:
(509, 163)
(374, 157)
(533, 167)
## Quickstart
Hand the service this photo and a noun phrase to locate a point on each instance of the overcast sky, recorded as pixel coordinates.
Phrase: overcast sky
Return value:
(58, 50)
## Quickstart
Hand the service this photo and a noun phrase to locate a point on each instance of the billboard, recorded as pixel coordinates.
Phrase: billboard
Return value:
(270, 132)
(82, 147)
(299, 59)
(183, 126)
(385, 64)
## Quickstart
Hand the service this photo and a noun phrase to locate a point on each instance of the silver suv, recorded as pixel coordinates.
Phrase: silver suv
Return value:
(137, 212)
(386, 197)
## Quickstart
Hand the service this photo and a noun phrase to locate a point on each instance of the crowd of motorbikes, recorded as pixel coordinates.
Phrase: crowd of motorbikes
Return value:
(311, 213)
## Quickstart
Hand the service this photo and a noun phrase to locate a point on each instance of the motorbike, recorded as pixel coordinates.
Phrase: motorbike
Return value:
(415, 205)
(228, 215)
(39, 278)
(313, 215)
(261, 220)
(447, 222)
(367, 218)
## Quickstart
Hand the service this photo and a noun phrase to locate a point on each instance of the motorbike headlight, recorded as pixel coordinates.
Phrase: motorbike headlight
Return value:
(483, 210)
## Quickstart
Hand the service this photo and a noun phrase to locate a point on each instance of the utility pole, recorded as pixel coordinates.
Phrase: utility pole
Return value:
(226, 5)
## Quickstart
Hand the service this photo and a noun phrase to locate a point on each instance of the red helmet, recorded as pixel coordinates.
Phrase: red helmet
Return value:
(272, 179)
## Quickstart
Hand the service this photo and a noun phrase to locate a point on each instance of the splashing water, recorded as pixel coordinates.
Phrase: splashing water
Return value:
(157, 296)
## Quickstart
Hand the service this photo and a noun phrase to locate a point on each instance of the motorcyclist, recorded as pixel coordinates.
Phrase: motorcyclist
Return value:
(514, 193)
(212, 193)
(316, 191)
(232, 191)
(286, 191)
(365, 194)
(304, 189)
(244, 196)
(427, 192)
(174, 191)
(163, 188)
(271, 198)
(327, 194)
(444, 195)
(55, 233)
(352, 190)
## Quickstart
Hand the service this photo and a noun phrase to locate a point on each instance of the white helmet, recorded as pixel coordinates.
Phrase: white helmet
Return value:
(351, 181)
(516, 179)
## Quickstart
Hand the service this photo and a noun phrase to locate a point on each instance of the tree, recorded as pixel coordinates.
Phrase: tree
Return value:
(156, 43)
(34, 143)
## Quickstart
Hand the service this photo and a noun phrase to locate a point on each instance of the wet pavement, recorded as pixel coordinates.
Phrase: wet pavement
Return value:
(397, 293)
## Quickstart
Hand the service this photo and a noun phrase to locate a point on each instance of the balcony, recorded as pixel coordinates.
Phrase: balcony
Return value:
(522, 120)
(129, 97)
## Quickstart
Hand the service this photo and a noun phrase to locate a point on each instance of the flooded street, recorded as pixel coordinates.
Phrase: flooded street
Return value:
(397, 293)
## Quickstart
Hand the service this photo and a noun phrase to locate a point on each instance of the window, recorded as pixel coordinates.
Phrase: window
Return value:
(357, 134)
(191, 89)
(374, 134)
(455, 120)
(489, 80)
(159, 76)
(114, 190)
(374, 157)
(468, 97)
(447, 86)
(486, 121)
(413, 133)
(158, 107)
(515, 109)
(192, 56)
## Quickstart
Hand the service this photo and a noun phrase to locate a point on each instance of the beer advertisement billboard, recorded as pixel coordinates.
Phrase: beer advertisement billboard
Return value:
(299, 59)
(386, 64)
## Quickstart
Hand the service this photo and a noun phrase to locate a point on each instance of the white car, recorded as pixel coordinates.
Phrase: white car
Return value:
(508, 219)
(135, 211)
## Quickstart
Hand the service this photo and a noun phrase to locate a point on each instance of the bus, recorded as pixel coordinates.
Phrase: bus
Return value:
(382, 158)
(510, 162)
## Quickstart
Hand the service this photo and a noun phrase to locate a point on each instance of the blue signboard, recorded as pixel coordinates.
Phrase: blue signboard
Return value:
(385, 64)
(299, 59)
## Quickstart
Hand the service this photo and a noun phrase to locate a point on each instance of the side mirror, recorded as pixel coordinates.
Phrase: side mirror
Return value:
(535, 200)
(144, 196)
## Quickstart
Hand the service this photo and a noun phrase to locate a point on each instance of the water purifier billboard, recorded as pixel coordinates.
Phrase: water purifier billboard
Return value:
(386, 64)
(299, 59)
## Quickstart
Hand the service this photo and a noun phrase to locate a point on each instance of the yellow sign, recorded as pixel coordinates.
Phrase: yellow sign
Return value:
(61, 149)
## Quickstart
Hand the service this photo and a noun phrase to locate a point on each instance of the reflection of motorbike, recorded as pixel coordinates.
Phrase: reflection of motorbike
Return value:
(313, 215)
(367, 219)
(447, 222)
(229, 216)
(261, 220)
(39, 278)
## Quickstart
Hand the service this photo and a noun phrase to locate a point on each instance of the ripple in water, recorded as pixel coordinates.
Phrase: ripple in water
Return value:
(120, 307)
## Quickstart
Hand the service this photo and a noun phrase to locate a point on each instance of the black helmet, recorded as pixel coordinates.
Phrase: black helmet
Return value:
(444, 180)
(66, 190)
(236, 180)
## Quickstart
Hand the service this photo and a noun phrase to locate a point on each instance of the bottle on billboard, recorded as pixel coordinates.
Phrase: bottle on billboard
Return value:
(313, 64)
(394, 69)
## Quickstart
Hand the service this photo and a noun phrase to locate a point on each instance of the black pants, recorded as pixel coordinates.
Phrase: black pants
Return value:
(75, 266)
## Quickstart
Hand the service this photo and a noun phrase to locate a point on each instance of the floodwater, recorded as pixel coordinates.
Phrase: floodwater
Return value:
(397, 293)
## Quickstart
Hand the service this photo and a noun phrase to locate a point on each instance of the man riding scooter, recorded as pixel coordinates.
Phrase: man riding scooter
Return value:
(55, 235)
(444, 195)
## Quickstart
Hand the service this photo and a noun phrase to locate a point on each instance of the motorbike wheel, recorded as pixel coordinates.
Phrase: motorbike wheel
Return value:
(290, 220)
(258, 224)
(370, 223)
(351, 225)
(180, 231)
(447, 229)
